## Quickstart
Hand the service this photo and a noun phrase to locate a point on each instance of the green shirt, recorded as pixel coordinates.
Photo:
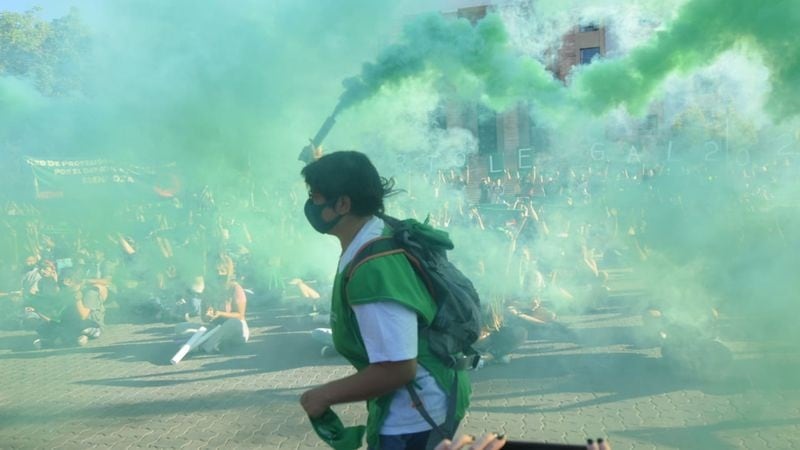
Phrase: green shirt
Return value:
(387, 278)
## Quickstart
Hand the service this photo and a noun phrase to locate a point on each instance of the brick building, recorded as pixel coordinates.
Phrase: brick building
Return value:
(509, 140)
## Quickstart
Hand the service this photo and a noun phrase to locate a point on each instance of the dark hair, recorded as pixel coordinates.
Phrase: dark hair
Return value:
(73, 274)
(46, 263)
(222, 260)
(352, 174)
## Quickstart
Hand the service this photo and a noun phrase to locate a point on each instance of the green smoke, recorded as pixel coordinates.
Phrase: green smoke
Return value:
(230, 90)
(471, 60)
(702, 31)
(478, 61)
(696, 235)
(17, 99)
(225, 98)
(214, 93)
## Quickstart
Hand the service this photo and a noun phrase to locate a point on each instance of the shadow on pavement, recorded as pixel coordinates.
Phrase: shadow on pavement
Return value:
(271, 352)
(196, 403)
(705, 436)
(620, 376)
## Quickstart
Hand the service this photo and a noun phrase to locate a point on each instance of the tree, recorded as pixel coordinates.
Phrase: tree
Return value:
(49, 54)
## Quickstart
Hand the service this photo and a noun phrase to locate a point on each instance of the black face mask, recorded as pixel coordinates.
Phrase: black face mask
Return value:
(314, 215)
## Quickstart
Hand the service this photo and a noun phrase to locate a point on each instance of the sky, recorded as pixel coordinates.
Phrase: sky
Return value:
(50, 8)
(55, 8)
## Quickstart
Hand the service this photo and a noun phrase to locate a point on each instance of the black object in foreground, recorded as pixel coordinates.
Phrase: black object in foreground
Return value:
(523, 445)
(307, 153)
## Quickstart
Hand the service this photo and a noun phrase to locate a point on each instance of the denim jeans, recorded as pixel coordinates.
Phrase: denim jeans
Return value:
(411, 441)
(418, 441)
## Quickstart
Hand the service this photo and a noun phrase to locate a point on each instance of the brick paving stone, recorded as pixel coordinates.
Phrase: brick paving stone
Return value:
(121, 445)
(120, 392)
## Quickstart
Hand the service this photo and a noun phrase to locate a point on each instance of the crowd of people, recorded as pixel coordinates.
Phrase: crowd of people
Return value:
(151, 262)
(548, 237)
(548, 240)
(545, 252)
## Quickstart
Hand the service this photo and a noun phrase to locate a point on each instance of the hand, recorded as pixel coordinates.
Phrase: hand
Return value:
(316, 151)
(29, 309)
(314, 402)
(489, 441)
(601, 444)
(211, 314)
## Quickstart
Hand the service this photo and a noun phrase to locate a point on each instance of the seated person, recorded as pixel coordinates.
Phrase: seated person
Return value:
(82, 317)
(191, 304)
(40, 290)
(309, 303)
(168, 299)
(538, 321)
(499, 337)
(532, 314)
(30, 279)
(324, 336)
(228, 312)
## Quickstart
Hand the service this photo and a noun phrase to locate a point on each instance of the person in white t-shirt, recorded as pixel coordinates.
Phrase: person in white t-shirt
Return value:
(375, 314)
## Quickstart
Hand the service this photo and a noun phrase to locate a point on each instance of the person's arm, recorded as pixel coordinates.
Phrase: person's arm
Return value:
(389, 332)
(82, 309)
(42, 316)
(375, 380)
(522, 316)
(305, 290)
(88, 301)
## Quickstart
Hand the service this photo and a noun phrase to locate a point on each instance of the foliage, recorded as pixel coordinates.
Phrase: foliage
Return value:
(50, 54)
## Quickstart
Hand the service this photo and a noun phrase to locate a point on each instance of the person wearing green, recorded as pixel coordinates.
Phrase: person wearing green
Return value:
(375, 316)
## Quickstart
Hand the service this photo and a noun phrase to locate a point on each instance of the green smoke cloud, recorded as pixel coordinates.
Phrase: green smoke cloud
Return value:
(17, 100)
(222, 91)
(478, 60)
(469, 59)
(238, 84)
(702, 30)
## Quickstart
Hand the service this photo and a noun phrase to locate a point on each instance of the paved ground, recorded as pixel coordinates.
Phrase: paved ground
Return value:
(121, 392)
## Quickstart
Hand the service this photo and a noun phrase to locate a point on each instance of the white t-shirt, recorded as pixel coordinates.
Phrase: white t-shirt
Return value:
(389, 330)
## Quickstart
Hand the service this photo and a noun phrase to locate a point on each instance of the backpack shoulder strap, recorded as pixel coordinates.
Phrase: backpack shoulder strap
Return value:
(374, 248)
(383, 246)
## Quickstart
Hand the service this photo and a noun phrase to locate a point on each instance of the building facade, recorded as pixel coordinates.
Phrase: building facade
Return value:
(509, 141)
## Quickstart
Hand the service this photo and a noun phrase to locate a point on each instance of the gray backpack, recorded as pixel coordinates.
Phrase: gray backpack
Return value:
(457, 324)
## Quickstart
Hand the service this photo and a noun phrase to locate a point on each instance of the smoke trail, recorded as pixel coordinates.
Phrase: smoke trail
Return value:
(478, 61)
(702, 31)
(398, 128)
(470, 59)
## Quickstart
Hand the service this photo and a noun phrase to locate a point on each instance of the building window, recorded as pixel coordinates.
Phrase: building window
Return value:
(589, 27)
(473, 13)
(587, 54)
(487, 130)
